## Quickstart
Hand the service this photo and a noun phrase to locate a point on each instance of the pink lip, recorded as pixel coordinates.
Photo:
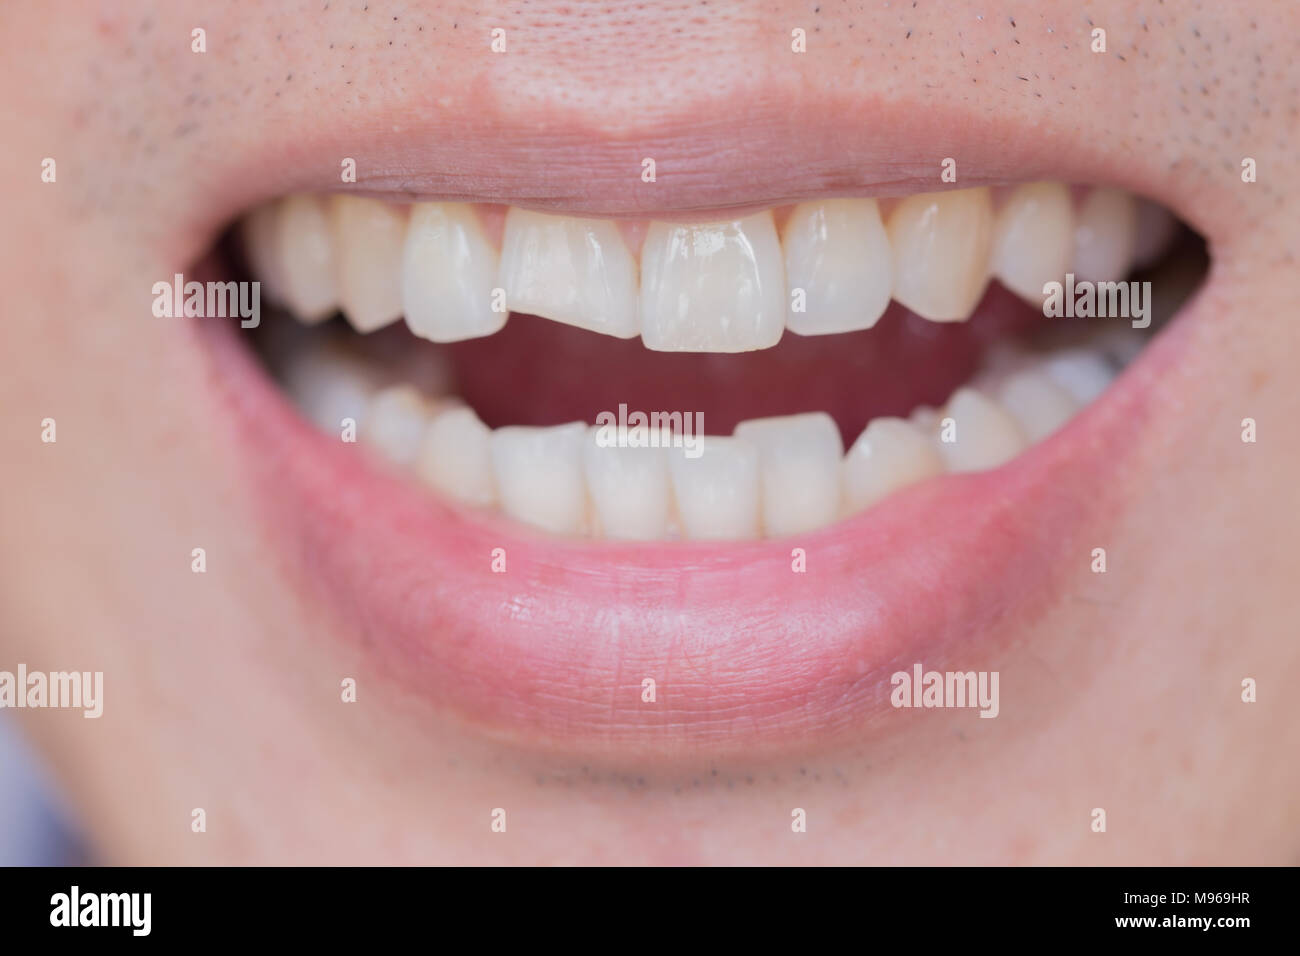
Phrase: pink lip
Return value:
(745, 654)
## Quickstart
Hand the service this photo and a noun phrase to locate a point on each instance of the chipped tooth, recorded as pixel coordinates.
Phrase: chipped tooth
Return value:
(262, 249)
(329, 384)
(448, 272)
(396, 418)
(1105, 235)
(1033, 237)
(629, 487)
(455, 457)
(539, 475)
(941, 252)
(306, 257)
(889, 455)
(717, 493)
(1082, 372)
(985, 433)
(368, 238)
(799, 470)
(1038, 404)
(575, 271)
(715, 287)
(838, 253)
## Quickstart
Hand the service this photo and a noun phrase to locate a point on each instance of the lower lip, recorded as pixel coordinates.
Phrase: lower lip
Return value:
(746, 655)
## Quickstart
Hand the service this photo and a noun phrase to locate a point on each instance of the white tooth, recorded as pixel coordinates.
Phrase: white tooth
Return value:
(941, 252)
(1156, 228)
(455, 457)
(716, 287)
(837, 251)
(368, 237)
(629, 487)
(926, 419)
(539, 475)
(799, 470)
(1105, 236)
(890, 454)
(717, 492)
(1032, 239)
(1038, 404)
(1083, 373)
(575, 271)
(329, 385)
(986, 434)
(307, 258)
(395, 422)
(262, 249)
(448, 272)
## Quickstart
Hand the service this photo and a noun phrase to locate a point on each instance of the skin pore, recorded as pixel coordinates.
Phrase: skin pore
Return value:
(1119, 691)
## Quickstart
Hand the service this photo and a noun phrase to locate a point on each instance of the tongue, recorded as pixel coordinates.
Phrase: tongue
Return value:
(538, 372)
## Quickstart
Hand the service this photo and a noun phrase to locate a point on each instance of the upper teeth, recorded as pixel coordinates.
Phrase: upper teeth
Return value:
(727, 286)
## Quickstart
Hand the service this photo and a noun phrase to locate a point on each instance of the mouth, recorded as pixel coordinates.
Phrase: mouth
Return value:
(541, 462)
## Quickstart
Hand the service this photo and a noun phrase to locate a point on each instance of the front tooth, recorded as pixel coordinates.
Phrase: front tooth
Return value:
(368, 237)
(575, 271)
(448, 272)
(717, 492)
(396, 418)
(838, 253)
(1038, 404)
(941, 252)
(455, 457)
(985, 435)
(307, 258)
(539, 475)
(629, 487)
(889, 455)
(1105, 236)
(716, 287)
(1083, 373)
(329, 385)
(1032, 238)
(799, 470)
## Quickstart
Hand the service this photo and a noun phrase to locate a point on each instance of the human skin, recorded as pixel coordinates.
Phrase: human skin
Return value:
(1119, 691)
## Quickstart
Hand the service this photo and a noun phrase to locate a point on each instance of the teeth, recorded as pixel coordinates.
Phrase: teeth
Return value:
(1038, 405)
(629, 487)
(986, 435)
(448, 272)
(395, 421)
(717, 493)
(368, 239)
(330, 384)
(262, 249)
(837, 252)
(455, 457)
(941, 252)
(539, 475)
(1083, 373)
(717, 287)
(1105, 236)
(799, 470)
(306, 256)
(575, 271)
(1033, 238)
(890, 454)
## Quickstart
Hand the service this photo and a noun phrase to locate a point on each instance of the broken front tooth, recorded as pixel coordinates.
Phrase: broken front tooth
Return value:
(715, 287)
(1038, 404)
(1082, 372)
(889, 455)
(575, 271)
(984, 434)
(838, 253)
(395, 420)
(1105, 236)
(717, 492)
(455, 457)
(941, 252)
(539, 475)
(306, 257)
(799, 470)
(629, 486)
(368, 238)
(1033, 238)
(448, 272)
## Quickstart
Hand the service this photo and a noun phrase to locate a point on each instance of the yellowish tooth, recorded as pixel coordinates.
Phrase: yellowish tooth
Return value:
(985, 433)
(260, 230)
(1033, 238)
(455, 457)
(395, 421)
(539, 475)
(448, 272)
(1038, 404)
(889, 455)
(799, 470)
(368, 239)
(941, 247)
(306, 256)
(1105, 236)
(629, 488)
(838, 253)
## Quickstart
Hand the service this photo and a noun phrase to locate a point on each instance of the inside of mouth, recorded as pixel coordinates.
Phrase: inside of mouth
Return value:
(829, 424)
